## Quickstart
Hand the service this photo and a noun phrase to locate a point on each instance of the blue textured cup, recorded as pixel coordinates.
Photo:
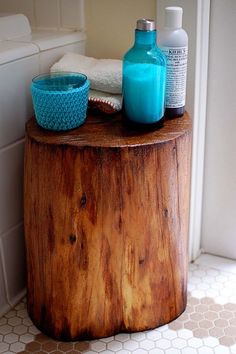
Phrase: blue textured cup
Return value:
(60, 100)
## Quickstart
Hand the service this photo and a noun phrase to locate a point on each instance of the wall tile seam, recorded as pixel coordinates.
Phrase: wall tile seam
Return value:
(81, 17)
(12, 145)
(37, 22)
(11, 229)
(18, 297)
(22, 58)
(59, 11)
(4, 310)
(81, 21)
(3, 262)
(34, 14)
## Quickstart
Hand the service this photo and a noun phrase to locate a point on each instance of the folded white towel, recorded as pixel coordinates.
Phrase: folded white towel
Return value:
(104, 74)
(106, 102)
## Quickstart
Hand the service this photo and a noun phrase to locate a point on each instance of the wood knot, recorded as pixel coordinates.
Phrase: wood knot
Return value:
(83, 200)
(141, 261)
(72, 239)
(120, 222)
(166, 213)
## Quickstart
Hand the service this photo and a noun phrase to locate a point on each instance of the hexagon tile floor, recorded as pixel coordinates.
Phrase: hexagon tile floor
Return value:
(208, 326)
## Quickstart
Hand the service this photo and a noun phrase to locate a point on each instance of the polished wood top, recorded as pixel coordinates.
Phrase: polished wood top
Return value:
(100, 130)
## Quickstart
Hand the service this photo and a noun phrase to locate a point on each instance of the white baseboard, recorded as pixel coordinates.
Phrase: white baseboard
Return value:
(14, 301)
(4, 309)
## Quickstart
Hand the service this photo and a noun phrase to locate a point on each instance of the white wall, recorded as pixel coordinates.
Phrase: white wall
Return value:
(53, 14)
(219, 199)
(110, 25)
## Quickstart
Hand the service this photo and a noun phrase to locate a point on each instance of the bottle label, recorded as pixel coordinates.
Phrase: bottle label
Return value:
(176, 75)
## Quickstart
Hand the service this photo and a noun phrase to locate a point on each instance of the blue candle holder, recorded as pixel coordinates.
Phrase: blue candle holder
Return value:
(60, 100)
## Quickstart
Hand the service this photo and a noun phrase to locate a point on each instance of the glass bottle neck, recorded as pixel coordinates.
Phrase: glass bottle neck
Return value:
(145, 38)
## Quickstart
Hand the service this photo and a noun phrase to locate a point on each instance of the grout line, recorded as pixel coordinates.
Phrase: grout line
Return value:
(17, 298)
(59, 14)
(13, 228)
(3, 263)
(228, 260)
(224, 265)
(12, 145)
(4, 273)
(34, 12)
(4, 310)
(26, 57)
(82, 16)
(218, 256)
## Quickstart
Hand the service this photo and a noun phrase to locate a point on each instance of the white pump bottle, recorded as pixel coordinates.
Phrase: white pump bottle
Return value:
(173, 41)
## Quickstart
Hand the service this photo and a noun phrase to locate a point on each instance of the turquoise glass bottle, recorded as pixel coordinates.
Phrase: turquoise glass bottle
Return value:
(144, 77)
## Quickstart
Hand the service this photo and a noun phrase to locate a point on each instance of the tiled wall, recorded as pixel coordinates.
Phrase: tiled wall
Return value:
(16, 109)
(56, 14)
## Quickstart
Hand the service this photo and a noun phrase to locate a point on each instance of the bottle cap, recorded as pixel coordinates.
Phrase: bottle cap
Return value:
(173, 17)
(145, 24)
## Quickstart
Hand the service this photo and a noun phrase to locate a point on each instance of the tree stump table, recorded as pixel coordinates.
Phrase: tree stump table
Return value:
(106, 225)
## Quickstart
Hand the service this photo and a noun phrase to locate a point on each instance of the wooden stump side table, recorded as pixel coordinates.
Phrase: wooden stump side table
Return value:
(106, 224)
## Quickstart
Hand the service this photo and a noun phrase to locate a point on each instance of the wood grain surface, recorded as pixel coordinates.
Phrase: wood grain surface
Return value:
(109, 131)
(106, 225)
